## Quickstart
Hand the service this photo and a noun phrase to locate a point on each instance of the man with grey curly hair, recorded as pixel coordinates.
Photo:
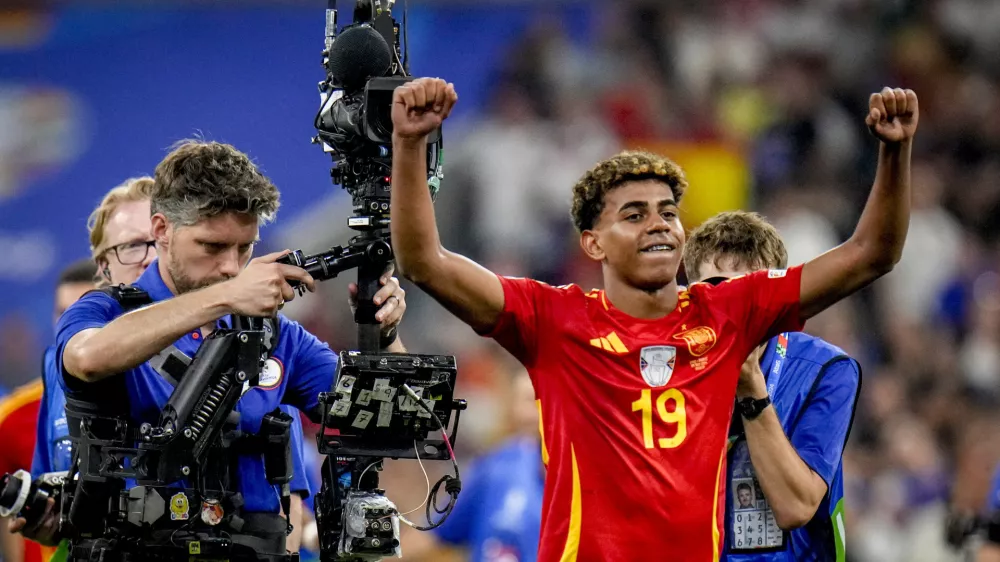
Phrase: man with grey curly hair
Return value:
(208, 201)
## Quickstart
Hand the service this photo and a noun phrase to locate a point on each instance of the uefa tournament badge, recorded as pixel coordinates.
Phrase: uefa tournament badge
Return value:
(656, 363)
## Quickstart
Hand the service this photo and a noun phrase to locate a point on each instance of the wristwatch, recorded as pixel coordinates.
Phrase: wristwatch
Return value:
(751, 408)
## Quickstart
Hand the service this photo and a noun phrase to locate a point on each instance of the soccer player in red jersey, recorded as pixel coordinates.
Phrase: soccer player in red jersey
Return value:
(636, 382)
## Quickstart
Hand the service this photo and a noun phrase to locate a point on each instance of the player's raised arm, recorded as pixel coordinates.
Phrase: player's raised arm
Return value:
(877, 243)
(467, 289)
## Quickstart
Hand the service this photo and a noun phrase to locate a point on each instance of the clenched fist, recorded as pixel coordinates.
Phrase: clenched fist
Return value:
(419, 107)
(262, 288)
(893, 115)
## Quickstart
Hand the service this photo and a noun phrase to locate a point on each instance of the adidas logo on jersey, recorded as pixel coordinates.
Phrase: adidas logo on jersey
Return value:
(610, 342)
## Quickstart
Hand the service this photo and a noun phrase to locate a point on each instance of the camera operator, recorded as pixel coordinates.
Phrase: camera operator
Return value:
(22, 411)
(207, 203)
(122, 248)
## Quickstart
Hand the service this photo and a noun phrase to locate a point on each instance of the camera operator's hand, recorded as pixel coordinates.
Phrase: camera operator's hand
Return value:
(262, 288)
(46, 531)
(419, 107)
(391, 297)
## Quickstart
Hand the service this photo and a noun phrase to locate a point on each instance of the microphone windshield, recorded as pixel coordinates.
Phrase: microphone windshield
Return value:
(358, 53)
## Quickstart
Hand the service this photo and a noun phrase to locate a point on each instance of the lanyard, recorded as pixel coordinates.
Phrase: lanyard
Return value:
(780, 353)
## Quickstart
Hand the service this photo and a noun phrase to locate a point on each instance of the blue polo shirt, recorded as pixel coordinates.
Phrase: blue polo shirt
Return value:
(53, 449)
(300, 368)
(814, 388)
(498, 515)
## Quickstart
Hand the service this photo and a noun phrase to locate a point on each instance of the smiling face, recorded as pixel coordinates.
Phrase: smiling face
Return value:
(638, 235)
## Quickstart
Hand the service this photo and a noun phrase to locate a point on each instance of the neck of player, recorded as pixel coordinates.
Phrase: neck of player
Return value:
(639, 302)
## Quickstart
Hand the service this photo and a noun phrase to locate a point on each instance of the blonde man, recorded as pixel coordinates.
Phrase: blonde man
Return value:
(120, 239)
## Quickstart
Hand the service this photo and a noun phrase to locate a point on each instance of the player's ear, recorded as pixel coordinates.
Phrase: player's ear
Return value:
(591, 245)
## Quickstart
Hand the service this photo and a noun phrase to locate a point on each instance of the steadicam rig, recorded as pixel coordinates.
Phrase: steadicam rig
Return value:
(382, 405)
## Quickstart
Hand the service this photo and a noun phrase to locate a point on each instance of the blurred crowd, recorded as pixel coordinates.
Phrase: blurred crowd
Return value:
(784, 84)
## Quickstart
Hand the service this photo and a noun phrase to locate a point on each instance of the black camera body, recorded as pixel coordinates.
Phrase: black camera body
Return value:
(21, 496)
(382, 405)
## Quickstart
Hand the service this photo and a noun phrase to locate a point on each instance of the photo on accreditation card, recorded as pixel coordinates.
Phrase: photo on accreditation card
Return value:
(744, 494)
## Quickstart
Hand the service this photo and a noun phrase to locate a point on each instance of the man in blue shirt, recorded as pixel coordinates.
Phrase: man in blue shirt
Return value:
(989, 551)
(208, 202)
(52, 445)
(122, 248)
(795, 405)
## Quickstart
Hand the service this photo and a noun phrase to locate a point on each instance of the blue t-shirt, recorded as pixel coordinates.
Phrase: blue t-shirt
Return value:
(815, 405)
(498, 515)
(300, 368)
(53, 449)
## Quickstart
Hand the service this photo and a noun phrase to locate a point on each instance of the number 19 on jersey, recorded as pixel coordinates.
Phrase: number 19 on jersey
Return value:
(676, 416)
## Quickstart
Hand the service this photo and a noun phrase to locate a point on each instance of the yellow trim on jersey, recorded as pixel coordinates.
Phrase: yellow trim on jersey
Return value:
(572, 548)
(541, 433)
(715, 509)
(23, 395)
(604, 301)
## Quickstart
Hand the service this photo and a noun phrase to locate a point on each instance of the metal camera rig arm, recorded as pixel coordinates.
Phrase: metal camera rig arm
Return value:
(99, 514)
(189, 423)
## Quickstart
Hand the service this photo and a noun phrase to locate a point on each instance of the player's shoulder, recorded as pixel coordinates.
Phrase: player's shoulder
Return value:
(538, 286)
(25, 396)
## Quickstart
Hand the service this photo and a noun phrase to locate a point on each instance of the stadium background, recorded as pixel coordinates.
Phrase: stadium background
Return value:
(761, 100)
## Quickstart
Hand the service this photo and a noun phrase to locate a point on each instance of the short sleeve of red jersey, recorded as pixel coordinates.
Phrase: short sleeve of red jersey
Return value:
(525, 307)
(764, 302)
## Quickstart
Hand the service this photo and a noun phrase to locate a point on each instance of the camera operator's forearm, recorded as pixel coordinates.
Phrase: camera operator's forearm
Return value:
(134, 338)
(294, 541)
(396, 346)
(792, 489)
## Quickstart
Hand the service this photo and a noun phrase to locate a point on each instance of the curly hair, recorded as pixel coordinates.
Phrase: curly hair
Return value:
(199, 180)
(631, 165)
(744, 237)
(132, 189)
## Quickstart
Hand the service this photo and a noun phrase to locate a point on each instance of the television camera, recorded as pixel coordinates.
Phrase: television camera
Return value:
(383, 405)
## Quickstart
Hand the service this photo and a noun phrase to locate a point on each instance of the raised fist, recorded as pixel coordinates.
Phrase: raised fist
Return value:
(893, 115)
(419, 107)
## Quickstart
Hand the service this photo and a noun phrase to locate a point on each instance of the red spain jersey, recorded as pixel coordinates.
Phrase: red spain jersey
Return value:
(635, 413)
(18, 421)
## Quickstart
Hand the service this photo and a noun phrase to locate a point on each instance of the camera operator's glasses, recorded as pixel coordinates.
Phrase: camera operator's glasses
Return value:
(131, 253)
